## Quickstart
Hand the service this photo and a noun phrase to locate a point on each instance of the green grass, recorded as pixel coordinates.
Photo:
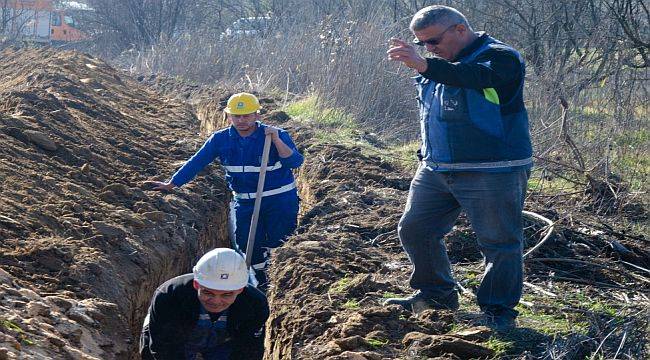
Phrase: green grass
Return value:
(458, 327)
(472, 279)
(340, 286)
(604, 309)
(22, 336)
(335, 126)
(377, 343)
(633, 139)
(499, 346)
(9, 325)
(550, 324)
(405, 154)
(309, 109)
(351, 304)
(388, 295)
(552, 185)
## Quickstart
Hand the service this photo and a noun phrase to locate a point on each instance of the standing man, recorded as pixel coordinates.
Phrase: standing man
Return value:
(476, 156)
(239, 149)
(212, 312)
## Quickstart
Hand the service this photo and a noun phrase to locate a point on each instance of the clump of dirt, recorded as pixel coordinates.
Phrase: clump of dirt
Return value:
(83, 243)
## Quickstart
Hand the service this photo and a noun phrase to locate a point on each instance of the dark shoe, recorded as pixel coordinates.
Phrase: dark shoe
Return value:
(500, 323)
(418, 302)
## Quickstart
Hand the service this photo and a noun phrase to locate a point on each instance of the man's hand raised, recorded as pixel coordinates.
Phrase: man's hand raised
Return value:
(404, 52)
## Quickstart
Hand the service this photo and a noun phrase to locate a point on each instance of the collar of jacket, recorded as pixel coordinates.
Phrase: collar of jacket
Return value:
(469, 49)
(232, 132)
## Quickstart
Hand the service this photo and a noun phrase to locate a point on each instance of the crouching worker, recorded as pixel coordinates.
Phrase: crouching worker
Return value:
(239, 148)
(212, 312)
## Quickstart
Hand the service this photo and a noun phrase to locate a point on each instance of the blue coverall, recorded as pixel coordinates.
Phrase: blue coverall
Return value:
(241, 157)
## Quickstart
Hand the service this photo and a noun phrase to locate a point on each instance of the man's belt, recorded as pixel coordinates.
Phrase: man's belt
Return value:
(482, 165)
(279, 190)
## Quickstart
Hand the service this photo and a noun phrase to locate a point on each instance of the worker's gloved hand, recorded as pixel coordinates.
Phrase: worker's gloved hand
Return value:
(158, 185)
(273, 131)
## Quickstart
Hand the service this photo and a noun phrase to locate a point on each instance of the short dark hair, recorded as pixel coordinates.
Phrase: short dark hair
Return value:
(437, 14)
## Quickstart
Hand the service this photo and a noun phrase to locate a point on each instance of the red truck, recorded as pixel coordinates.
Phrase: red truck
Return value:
(44, 21)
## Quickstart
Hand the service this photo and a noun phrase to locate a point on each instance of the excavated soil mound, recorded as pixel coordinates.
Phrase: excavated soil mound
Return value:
(83, 245)
(329, 280)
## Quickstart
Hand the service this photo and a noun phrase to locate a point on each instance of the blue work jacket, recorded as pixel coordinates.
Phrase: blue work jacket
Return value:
(242, 157)
(466, 129)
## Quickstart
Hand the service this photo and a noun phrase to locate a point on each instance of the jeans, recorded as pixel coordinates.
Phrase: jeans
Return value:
(493, 203)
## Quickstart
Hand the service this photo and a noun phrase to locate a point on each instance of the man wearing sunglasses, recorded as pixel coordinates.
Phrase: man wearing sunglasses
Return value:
(476, 157)
(212, 312)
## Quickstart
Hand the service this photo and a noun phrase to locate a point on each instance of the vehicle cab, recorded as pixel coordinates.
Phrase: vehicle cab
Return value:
(64, 28)
(249, 26)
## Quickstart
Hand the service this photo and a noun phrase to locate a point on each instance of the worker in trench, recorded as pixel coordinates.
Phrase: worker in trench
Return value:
(239, 149)
(213, 312)
(475, 157)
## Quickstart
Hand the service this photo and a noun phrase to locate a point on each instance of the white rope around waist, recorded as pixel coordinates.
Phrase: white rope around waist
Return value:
(253, 169)
(276, 191)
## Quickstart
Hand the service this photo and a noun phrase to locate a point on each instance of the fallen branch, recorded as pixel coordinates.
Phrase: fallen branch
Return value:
(626, 273)
(549, 231)
(636, 266)
(539, 289)
(8, 220)
(587, 282)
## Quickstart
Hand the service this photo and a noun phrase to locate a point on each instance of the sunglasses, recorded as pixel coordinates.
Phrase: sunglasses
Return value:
(433, 41)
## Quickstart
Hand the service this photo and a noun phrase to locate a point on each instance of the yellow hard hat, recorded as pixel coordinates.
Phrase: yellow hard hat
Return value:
(242, 104)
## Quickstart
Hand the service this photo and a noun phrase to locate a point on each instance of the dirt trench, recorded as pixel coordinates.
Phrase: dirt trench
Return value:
(83, 243)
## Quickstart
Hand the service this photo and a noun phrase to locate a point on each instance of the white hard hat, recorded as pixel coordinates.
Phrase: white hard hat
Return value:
(221, 269)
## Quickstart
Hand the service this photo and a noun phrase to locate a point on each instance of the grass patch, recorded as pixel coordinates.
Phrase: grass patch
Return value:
(635, 168)
(499, 346)
(405, 155)
(633, 139)
(9, 325)
(472, 280)
(340, 286)
(377, 343)
(388, 295)
(539, 183)
(333, 125)
(351, 304)
(309, 109)
(336, 126)
(22, 336)
(550, 324)
(604, 309)
(457, 327)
